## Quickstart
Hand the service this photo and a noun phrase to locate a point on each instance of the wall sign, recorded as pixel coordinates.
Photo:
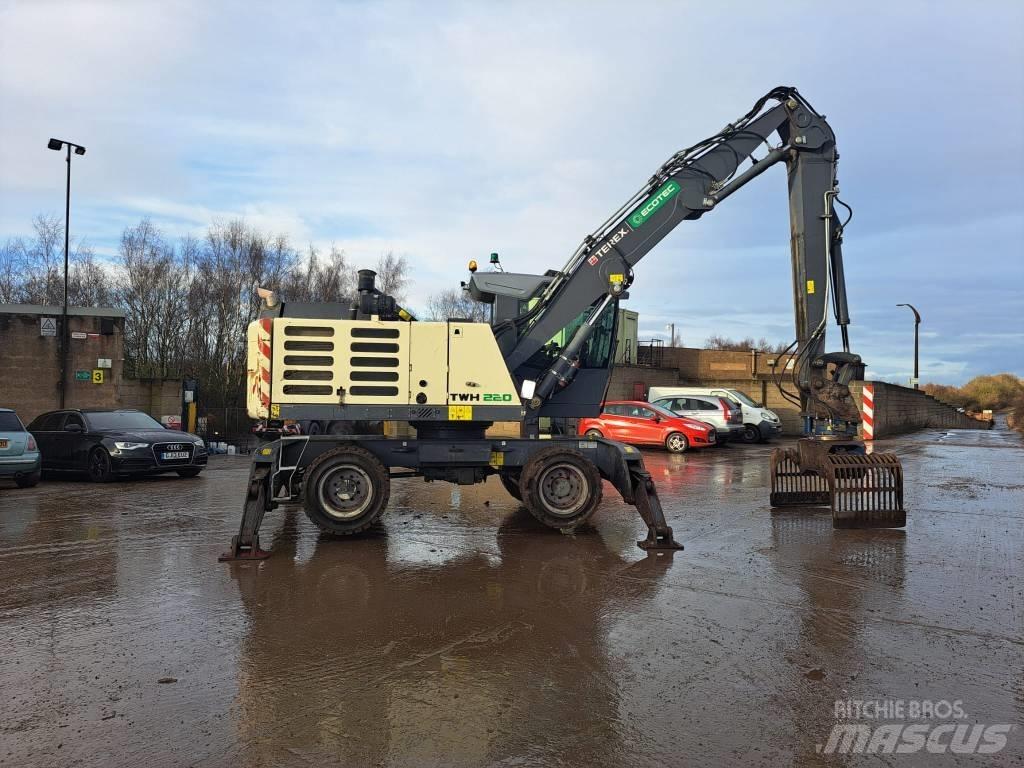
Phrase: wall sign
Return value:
(97, 376)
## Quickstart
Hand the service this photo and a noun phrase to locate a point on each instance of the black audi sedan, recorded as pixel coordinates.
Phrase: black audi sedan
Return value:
(109, 443)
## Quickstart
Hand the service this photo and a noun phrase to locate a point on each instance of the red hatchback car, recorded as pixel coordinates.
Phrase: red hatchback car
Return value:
(640, 423)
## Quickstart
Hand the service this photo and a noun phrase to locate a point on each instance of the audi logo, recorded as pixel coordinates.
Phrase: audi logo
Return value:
(175, 447)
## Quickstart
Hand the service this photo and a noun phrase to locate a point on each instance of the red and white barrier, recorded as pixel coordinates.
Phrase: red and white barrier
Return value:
(868, 411)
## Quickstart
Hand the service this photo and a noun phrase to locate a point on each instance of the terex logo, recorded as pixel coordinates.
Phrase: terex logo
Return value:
(640, 216)
(610, 243)
(465, 397)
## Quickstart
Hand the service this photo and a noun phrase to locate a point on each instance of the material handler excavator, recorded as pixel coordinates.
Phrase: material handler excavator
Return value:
(548, 352)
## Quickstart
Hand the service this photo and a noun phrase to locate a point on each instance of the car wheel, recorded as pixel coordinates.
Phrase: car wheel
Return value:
(27, 481)
(99, 466)
(593, 434)
(314, 428)
(751, 434)
(677, 443)
(191, 472)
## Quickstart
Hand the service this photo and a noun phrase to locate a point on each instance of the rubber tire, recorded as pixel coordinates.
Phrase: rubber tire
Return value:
(593, 433)
(314, 428)
(99, 477)
(380, 482)
(668, 443)
(536, 467)
(510, 480)
(28, 481)
(751, 434)
(188, 472)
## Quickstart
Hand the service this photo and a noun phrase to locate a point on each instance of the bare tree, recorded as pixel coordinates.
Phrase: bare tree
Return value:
(743, 345)
(315, 280)
(455, 303)
(393, 275)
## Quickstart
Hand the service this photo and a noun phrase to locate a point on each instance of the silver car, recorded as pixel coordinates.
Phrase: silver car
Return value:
(19, 455)
(724, 416)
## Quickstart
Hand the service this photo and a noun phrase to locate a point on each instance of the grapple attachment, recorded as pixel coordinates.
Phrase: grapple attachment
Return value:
(867, 490)
(864, 490)
(792, 486)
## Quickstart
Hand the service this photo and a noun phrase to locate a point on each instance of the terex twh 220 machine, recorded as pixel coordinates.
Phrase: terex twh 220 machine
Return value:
(548, 351)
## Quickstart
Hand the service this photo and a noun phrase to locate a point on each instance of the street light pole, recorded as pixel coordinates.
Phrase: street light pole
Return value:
(917, 325)
(672, 327)
(57, 145)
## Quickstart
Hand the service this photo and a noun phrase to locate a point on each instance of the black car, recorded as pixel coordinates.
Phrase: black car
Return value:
(108, 443)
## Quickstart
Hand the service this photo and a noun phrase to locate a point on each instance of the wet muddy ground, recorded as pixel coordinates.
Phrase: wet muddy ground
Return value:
(461, 633)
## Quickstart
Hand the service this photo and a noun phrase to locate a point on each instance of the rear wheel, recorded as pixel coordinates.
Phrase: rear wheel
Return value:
(560, 487)
(99, 466)
(346, 490)
(314, 428)
(27, 481)
(751, 434)
(677, 443)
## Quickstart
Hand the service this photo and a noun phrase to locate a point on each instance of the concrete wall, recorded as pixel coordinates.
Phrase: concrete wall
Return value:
(901, 409)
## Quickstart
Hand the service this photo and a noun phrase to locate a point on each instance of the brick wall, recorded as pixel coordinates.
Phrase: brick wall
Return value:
(157, 397)
(30, 365)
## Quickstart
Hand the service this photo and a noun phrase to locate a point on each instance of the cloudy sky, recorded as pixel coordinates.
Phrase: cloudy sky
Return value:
(445, 131)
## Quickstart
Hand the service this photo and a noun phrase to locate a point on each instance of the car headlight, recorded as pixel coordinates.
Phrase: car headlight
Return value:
(199, 443)
(769, 416)
(130, 446)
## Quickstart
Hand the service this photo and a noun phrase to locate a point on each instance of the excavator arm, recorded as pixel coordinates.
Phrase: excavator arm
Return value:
(831, 464)
(783, 128)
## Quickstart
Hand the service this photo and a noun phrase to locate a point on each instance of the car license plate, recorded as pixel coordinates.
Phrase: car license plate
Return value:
(3, 444)
(174, 455)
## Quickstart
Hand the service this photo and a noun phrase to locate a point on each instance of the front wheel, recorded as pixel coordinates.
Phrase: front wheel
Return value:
(346, 490)
(560, 487)
(593, 434)
(751, 434)
(677, 443)
(28, 481)
(99, 466)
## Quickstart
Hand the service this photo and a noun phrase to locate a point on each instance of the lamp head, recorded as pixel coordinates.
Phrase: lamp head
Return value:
(55, 144)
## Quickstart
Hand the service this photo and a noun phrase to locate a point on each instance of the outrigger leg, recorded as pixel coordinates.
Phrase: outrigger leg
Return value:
(645, 497)
(246, 545)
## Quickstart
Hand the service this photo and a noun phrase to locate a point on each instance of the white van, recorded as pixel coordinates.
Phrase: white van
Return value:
(759, 423)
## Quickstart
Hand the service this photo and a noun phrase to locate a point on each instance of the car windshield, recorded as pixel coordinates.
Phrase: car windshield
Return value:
(743, 398)
(122, 420)
(9, 422)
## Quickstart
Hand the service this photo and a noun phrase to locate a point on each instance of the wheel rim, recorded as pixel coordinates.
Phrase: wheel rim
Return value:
(98, 464)
(750, 434)
(563, 489)
(593, 433)
(676, 442)
(346, 492)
